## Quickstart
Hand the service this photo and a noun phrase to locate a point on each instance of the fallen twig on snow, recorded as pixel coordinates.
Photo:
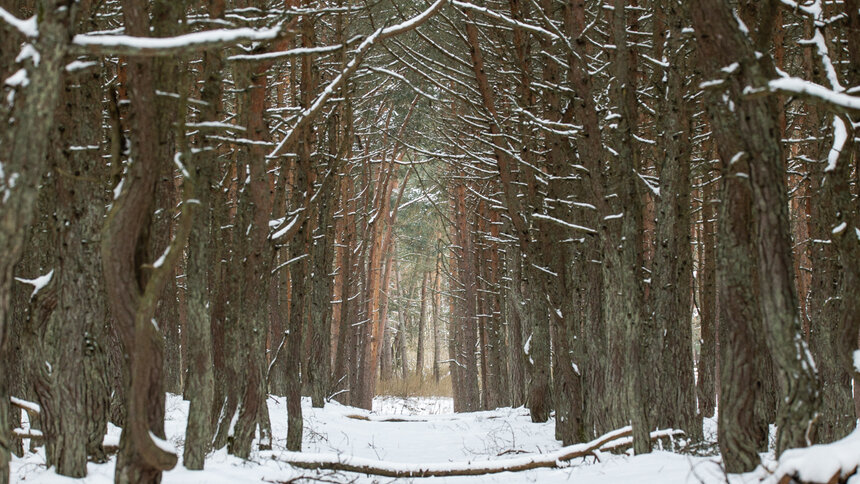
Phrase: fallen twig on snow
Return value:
(470, 468)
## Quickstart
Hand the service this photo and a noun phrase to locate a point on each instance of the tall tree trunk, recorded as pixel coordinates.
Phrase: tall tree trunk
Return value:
(706, 384)
(26, 143)
(422, 317)
(200, 386)
(437, 302)
(752, 129)
(73, 341)
(466, 358)
(132, 292)
(625, 297)
(671, 276)
(738, 429)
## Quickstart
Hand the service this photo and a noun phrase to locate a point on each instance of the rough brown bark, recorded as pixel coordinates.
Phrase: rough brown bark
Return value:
(73, 338)
(671, 275)
(200, 384)
(624, 294)
(469, 399)
(753, 127)
(26, 143)
(706, 382)
(738, 430)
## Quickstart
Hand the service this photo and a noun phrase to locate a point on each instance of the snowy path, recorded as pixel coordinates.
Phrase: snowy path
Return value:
(426, 432)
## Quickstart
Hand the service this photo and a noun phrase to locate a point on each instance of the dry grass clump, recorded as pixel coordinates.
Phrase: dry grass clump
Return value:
(412, 386)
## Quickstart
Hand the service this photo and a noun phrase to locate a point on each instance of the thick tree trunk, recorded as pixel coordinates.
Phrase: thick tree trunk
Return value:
(739, 431)
(342, 384)
(168, 18)
(133, 290)
(752, 129)
(26, 143)
(319, 363)
(73, 340)
(470, 398)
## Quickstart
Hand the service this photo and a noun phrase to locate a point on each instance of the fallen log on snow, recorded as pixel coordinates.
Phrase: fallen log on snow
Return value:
(399, 470)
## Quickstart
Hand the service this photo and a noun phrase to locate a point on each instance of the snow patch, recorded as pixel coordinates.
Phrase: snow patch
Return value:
(79, 65)
(118, 189)
(398, 431)
(30, 406)
(38, 283)
(29, 52)
(29, 27)
(802, 86)
(840, 136)
(18, 79)
(160, 261)
(162, 444)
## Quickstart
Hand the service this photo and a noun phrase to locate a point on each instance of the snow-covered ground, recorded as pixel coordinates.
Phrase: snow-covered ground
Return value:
(415, 430)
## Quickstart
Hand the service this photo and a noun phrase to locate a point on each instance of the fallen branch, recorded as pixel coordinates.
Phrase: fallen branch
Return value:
(448, 469)
(370, 418)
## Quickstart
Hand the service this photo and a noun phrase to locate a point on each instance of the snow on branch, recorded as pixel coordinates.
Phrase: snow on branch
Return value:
(495, 15)
(297, 52)
(38, 283)
(27, 28)
(400, 470)
(31, 408)
(163, 46)
(563, 223)
(837, 101)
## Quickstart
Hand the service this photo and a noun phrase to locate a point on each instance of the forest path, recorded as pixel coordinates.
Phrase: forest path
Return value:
(401, 431)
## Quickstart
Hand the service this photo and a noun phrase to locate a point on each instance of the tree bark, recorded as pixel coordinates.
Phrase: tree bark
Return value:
(26, 142)
(200, 385)
(753, 127)
(671, 275)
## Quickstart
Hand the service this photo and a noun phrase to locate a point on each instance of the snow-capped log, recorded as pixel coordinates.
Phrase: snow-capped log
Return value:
(399, 470)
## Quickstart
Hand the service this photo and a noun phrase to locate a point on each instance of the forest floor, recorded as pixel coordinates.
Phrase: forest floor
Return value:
(413, 430)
